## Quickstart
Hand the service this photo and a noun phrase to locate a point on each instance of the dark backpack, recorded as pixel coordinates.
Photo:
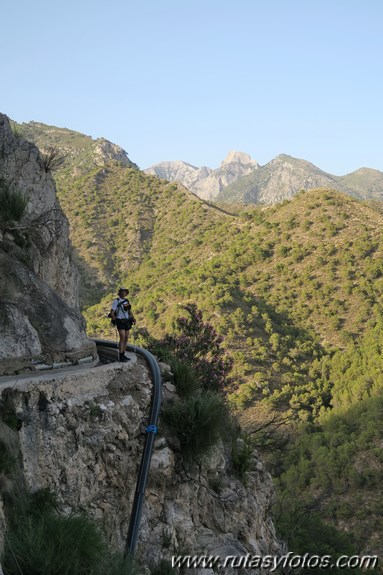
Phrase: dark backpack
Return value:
(119, 306)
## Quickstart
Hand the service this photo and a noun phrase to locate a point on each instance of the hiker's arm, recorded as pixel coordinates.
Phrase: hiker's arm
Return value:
(113, 311)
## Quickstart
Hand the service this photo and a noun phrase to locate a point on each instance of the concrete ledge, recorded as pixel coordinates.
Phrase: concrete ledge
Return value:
(76, 377)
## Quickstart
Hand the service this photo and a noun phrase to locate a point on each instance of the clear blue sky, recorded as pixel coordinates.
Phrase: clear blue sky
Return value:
(193, 79)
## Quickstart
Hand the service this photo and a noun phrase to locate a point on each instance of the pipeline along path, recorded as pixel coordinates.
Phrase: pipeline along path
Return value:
(109, 349)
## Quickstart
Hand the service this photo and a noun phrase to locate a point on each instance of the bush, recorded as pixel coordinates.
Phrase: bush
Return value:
(40, 542)
(53, 545)
(197, 343)
(51, 159)
(184, 377)
(8, 450)
(13, 205)
(305, 531)
(197, 421)
(242, 457)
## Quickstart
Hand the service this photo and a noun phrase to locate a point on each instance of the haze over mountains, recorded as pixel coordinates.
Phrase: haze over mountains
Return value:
(241, 179)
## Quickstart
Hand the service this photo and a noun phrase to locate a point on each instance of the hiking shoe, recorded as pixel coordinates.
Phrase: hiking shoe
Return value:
(123, 358)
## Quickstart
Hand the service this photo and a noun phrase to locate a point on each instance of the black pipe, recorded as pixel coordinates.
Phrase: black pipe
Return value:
(151, 430)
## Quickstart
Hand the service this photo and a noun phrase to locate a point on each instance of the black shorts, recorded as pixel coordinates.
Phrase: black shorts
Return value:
(125, 324)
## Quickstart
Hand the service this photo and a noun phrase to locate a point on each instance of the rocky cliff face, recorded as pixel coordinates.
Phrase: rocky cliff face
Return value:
(39, 320)
(82, 436)
(205, 182)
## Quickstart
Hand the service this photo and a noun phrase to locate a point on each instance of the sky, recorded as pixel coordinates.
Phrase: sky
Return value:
(193, 79)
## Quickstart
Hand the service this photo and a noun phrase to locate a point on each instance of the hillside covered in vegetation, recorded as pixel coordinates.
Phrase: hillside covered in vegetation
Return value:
(296, 291)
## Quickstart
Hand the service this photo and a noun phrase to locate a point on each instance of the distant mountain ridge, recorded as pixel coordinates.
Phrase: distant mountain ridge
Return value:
(240, 179)
(205, 182)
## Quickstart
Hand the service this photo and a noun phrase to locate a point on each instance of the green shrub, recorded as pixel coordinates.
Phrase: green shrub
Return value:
(16, 130)
(241, 457)
(197, 421)
(157, 348)
(52, 545)
(306, 532)
(40, 542)
(184, 377)
(13, 204)
(8, 410)
(7, 460)
(8, 449)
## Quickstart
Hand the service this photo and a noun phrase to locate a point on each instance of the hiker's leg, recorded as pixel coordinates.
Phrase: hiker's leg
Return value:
(126, 339)
(121, 343)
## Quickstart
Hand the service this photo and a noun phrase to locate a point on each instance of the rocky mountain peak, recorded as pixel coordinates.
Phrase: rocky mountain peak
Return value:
(104, 151)
(206, 182)
(239, 158)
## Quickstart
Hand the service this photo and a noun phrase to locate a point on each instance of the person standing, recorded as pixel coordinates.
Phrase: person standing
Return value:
(123, 318)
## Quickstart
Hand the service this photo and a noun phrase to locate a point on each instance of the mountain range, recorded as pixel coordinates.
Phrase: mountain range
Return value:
(240, 179)
(205, 182)
(295, 289)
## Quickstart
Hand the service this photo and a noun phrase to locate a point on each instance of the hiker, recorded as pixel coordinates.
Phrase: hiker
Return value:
(123, 319)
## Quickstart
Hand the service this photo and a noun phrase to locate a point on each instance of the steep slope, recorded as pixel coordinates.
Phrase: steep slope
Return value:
(297, 292)
(115, 214)
(303, 257)
(205, 182)
(79, 164)
(39, 317)
(87, 446)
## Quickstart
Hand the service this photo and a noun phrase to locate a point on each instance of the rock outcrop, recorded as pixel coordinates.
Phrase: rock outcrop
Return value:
(179, 171)
(82, 436)
(205, 182)
(39, 317)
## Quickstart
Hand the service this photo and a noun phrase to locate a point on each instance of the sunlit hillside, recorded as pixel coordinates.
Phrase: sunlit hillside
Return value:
(296, 290)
